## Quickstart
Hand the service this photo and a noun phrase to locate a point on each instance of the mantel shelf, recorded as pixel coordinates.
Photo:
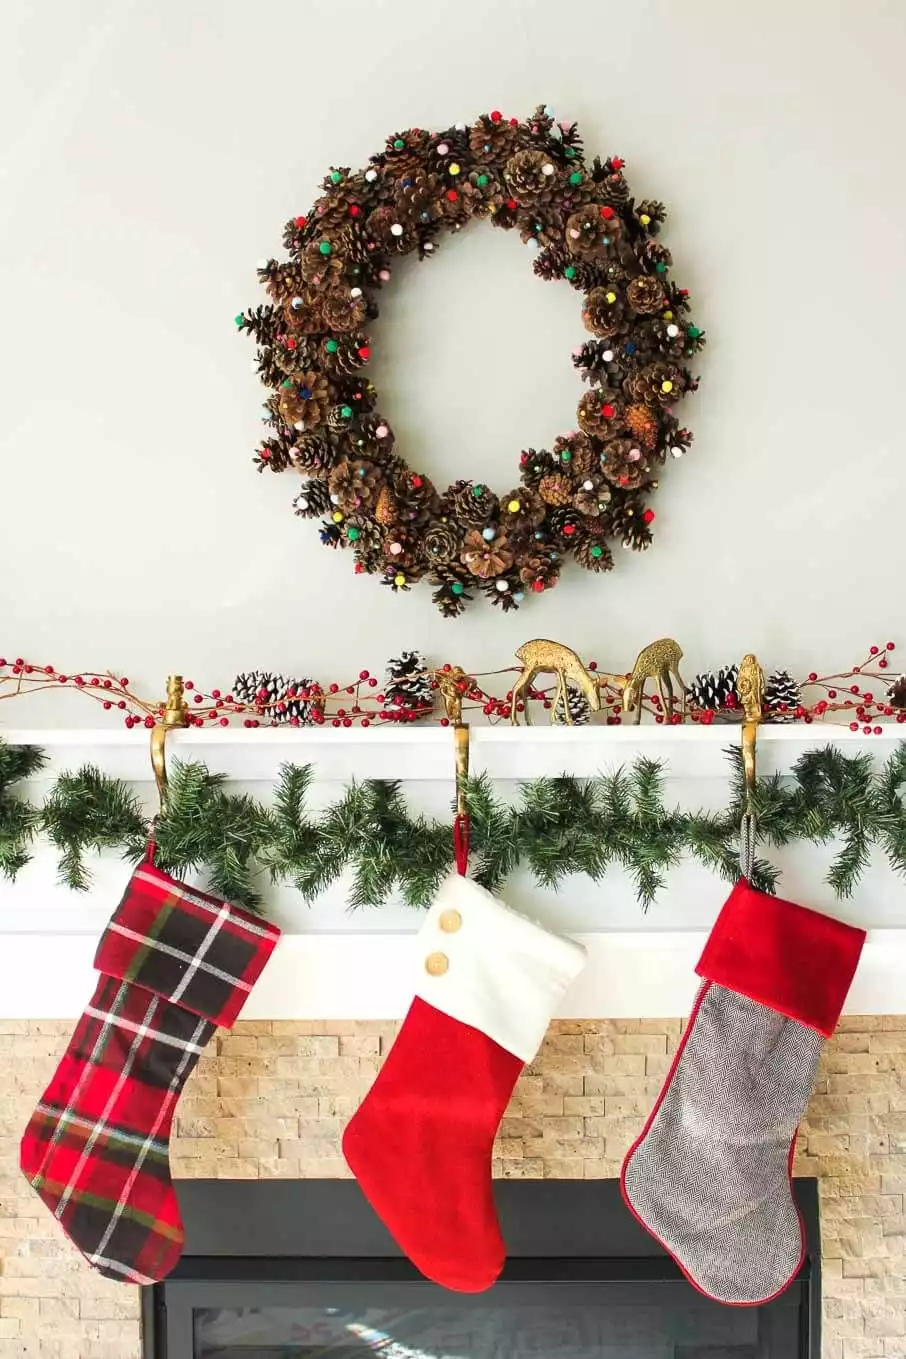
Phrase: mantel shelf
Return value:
(425, 752)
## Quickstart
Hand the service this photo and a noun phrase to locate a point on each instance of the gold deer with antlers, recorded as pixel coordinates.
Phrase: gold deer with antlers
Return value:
(552, 658)
(660, 662)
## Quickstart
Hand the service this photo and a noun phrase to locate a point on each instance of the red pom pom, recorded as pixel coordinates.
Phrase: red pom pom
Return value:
(617, 162)
(649, 516)
(300, 221)
(538, 586)
(355, 210)
(364, 352)
(512, 204)
(607, 411)
(416, 482)
(568, 530)
(290, 343)
(496, 116)
(452, 195)
(607, 213)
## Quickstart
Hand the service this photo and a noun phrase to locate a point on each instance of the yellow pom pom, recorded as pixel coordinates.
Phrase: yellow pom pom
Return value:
(455, 168)
(399, 579)
(667, 386)
(514, 506)
(668, 315)
(337, 517)
(645, 219)
(611, 298)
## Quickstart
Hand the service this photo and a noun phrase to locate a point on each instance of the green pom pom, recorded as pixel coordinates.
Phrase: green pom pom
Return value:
(346, 412)
(456, 588)
(325, 247)
(570, 152)
(482, 180)
(353, 534)
(597, 551)
(478, 489)
(239, 319)
(398, 144)
(570, 271)
(335, 176)
(576, 177)
(660, 268)
(286, 383)
(693, 332)
(332, 346)
(566, 455)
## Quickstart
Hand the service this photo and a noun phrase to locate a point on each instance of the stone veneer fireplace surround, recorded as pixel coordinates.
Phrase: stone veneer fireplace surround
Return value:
(285, 1270)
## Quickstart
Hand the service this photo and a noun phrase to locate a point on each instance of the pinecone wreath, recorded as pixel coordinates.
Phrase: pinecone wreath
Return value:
(582, 226)
(715, 692)
(407, 688)
(782, 696)
(277, 697)
(576, 703)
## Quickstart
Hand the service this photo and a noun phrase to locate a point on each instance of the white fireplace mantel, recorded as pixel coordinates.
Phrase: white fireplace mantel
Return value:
(331, 964)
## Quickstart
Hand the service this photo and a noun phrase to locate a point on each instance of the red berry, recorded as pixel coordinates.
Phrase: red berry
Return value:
(333, 689)
(29, 669)
(363, 674)
(659, 718)
(149, 721)
(189, 684)
(882, 663)
(372, 682)
(79, 681)
(416, 480)
(108, 684)
(94, 683)
(350, 688)
(215, 693)
(366, 722)
(891, 646)
(854, 726)
(107, 705)
(592, 665)
(224, 721)
(335, 722)
(341, 712)
(48, 669)
(445, 721)
(866, 731)
(878, 731)
(62, 679)
(854, 688)
(19, 660)
(832, 693)
(813, 675)
(130, 722)
(496, 116)
(3, 661)
(198, 698)
(290, 343)
(649, 516)
(874, 650)
(538, 586)
(122, 703)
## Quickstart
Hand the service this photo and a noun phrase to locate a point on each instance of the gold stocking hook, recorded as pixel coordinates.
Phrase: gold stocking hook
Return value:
(175, 714)
(750, 689)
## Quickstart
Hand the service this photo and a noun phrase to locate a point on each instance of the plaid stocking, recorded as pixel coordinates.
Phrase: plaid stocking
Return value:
(709, 1177)
(488, 981)
(174, 963)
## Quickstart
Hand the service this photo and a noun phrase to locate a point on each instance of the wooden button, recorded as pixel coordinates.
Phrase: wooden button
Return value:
(450, 921)
(436, 964)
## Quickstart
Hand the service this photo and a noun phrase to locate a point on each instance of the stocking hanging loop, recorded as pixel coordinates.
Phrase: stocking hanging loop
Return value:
(750, 689)
(175, 714)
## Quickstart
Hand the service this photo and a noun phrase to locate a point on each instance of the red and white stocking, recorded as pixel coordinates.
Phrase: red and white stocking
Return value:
(420, 1145)
(709, 1177)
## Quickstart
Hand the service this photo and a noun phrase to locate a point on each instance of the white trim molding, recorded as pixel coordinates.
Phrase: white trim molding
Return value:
(629, 975)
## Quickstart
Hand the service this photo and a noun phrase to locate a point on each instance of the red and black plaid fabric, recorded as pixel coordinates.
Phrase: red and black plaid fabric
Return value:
(175, 964)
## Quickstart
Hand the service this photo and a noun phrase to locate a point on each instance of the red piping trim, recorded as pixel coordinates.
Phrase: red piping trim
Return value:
(756, 1302)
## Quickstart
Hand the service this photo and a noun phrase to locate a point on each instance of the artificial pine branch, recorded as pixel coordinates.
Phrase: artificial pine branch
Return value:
(18, 818)
(89, 811)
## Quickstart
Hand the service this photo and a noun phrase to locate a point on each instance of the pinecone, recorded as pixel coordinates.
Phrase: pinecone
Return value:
(576, 455)
(535, 464)
(408, 683)
(593, 497)
(592, 232)
(657, 384)
(452, 595)
(443, 542)
(355, 485)
(628, 520)
(555, 489)
(367, 542)
(896, 694)
(576, 703)
(304, 405)
(565, 524)
(502, 591)
(276, 696)
(541, 571)
(481, 191)
(405, 151)
(485, 558)
(320, 268)
(401, 548)
(713, 692)
(623, 464)
(782, 696)
(492, 140)
(544, 226)
(386, 510)
(599, 413)
(313, 501)
(531, 178)
(595, 358)
(292, 357)
(642, 424)
(344, 354)
(613, 189)
(418, 199)
(604, 311)
(416, 497)
(645, 294)
(344, 309)
(472, 505)
(521, 511)
(388, 233)
(303, 314)
(375, 438)
(594, 554)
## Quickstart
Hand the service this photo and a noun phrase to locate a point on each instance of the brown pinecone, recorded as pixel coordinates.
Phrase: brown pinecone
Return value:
(294, 356)
(531, 178)
(284, 281)
(481, 191)
(418, 198)
(375, 438)
(535, 464)
(896, 694)
(355, 485)
(485, 559)
(388, 233)
(304, 404)
(593, 553)
(472, 505)
(443, 542)
(367, 542)
(628, 523)
(401, 547)
(416, 497)
(592, 232)
(575, 454)
(593, 497)
(544, 226)
(344, 308)
(312, 455)
(405, 151)
(623, 464)
(642, 423)
(313, 501)
(493, 140)
(521, 511)
(645, 294)
(555, 489)
(318, 269)
(603, 314)
(657, 384)
(541, 571)
(342, 355)
(613, 189)
(303, 313)
(452, 593)
(599, 412)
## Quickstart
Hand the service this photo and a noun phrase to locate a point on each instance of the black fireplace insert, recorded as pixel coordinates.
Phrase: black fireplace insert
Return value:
(302, 1269)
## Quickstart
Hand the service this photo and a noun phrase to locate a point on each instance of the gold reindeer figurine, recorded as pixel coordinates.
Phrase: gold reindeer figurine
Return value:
(660, 662)
(552, 658)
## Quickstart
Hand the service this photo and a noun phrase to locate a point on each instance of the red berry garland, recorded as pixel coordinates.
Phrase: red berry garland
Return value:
(583, 227)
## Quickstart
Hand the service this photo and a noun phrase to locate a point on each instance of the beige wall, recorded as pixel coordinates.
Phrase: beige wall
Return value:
(271, 1098)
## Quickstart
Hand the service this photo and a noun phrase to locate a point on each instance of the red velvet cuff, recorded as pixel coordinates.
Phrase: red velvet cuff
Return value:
(795, 960)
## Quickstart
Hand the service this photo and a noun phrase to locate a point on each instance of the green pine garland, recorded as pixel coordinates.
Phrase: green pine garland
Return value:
(556, 826)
